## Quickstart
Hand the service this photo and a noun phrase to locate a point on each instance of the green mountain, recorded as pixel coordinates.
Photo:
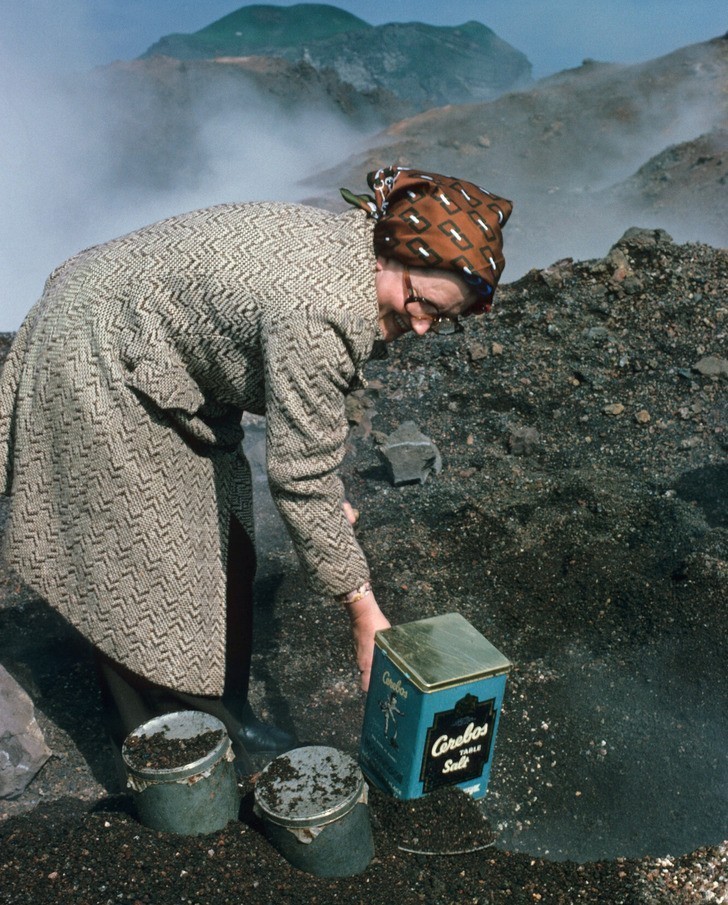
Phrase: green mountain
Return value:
(258, 30)
(424, 65)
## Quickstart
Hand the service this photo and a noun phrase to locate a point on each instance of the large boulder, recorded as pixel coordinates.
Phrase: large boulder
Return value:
(23, 750)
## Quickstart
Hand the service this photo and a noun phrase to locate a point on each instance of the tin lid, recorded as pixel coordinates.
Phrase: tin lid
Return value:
(182, 726)
(442, 651)
(309, 786)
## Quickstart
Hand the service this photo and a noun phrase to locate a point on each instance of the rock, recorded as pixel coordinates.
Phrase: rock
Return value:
(645, 238)
(712, 366)
(23, 750)
(523, 441)
(690, 443)
(632, 285)
(477, 351)
(614, 408)
(410, 455)
(556, 275)
(642, 417)
(619, 261)
(357, 407)
(596, 334)
(359, 412)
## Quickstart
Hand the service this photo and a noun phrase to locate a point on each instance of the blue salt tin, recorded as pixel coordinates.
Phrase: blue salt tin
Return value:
(433, 708)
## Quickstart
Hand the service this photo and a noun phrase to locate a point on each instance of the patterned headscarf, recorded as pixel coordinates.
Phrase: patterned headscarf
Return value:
(429, 220)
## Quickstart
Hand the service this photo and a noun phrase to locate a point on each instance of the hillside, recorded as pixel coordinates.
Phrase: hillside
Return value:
(422, 65)
(562, 148)
(259, 30)
(687, 179)
(579, 522)
(584, 154)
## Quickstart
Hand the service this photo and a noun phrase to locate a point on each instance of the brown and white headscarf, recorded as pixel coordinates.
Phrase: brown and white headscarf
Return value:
(429, 220)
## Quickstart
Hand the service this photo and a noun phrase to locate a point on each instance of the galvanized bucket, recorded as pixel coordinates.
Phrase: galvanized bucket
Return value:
(313, 803)
(193, 798)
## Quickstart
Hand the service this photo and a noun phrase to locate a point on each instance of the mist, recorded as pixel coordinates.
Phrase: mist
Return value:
(91, 154)
(580, 211)
(79, 163)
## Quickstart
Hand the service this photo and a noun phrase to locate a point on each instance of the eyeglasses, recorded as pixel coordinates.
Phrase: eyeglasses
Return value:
(421, 309)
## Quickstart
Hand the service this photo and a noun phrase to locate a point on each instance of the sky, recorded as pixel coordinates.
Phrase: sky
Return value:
(59, 192)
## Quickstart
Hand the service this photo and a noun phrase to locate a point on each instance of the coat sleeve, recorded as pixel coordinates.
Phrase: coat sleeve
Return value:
(309, 367)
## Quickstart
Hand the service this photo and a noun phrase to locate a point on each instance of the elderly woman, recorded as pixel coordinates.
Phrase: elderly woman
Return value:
(120, 411)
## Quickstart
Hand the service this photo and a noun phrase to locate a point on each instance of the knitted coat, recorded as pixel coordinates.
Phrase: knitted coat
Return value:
(120, 409)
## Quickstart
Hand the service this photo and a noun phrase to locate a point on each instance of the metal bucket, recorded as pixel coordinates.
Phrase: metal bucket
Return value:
(313, 803)
(197, 797)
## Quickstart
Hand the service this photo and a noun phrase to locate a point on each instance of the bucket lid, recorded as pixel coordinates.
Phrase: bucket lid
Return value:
(309, 786)
(441, 651)
(184, 724)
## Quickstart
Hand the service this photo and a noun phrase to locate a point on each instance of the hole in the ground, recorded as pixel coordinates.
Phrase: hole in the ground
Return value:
(708, 487)
(618, 756)
(615, 745)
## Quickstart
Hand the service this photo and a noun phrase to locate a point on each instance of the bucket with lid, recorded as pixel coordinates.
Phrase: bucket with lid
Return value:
(313, 803)
(180, 769)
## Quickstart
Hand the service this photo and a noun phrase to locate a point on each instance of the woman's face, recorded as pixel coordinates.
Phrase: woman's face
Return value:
(446, 291)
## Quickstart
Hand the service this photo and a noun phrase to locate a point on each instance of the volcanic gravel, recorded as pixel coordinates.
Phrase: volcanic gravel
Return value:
(159, 751)
(579, 523)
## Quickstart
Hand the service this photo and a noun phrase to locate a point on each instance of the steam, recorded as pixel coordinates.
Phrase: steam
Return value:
(88, 156)
(85, 158)
(629, 719)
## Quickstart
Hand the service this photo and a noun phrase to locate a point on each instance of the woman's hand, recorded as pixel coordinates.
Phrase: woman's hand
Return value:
(351, 514)
(366, 619)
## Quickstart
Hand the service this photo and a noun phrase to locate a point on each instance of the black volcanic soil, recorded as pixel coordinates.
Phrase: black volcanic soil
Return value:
(579, 522)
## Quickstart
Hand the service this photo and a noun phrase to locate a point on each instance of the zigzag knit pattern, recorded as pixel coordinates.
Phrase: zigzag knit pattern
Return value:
(120, 408)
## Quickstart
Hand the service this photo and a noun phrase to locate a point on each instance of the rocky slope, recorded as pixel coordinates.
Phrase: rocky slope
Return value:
(579, 522)
(584, 154)
(567, 149)
(686, 181)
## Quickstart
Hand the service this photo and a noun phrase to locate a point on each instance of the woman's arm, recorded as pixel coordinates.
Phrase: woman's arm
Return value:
(308, 371)
(366, 619)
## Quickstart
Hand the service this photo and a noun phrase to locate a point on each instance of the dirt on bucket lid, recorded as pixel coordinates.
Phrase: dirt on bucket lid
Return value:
(309, 786)
(159, 751)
